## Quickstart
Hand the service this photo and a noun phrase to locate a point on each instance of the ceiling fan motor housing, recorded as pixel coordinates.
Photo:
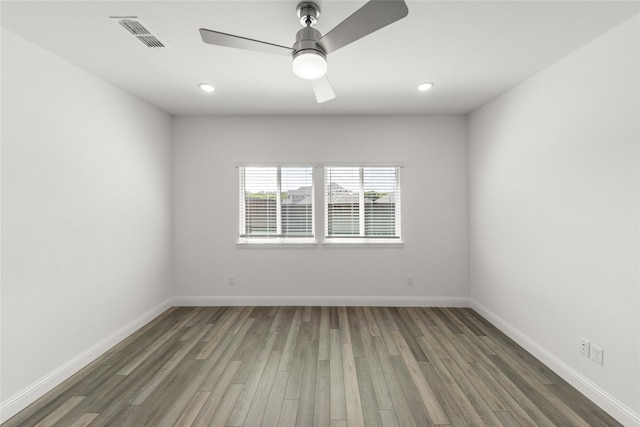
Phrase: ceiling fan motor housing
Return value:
(307, 40)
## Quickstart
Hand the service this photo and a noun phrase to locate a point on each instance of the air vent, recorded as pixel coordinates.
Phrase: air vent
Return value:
(136, 28)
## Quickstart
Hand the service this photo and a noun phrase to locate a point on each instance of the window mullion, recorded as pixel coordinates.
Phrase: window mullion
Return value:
(361, 203)
(326, 198)
(397, 200)
(242, 217)
(279, 201)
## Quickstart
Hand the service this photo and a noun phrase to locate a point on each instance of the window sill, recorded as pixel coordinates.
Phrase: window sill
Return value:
(363, 243)
(249, 243)
(276, 243)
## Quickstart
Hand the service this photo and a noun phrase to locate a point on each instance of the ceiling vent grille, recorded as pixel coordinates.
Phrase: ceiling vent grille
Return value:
(136, 28)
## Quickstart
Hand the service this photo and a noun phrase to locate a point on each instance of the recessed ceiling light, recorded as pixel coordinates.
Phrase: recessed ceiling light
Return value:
(423, 87)
(207, 87)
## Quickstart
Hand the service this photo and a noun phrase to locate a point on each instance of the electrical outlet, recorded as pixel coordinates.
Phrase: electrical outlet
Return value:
(584, 347)
(231, 280)
(410, 280)
(597, 354)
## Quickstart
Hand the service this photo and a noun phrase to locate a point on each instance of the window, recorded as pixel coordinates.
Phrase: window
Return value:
(362, 203)
(276, 204)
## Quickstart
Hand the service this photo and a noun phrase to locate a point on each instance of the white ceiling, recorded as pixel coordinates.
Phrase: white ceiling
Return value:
(472, 50)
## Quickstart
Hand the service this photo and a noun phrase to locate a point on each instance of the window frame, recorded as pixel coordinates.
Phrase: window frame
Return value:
(362, 240)
(278, 240)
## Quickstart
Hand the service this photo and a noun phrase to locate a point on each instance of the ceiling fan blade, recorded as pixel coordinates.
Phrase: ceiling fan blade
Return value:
(371, 17)
(322, 89)
(229, 40)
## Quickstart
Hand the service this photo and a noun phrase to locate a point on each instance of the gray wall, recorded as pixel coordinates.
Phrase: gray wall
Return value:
(554, 214)
(86, 217)
(433, 151)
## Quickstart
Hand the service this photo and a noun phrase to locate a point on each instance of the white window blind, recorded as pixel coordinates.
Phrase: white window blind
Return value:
(362, 202)
(276, 202)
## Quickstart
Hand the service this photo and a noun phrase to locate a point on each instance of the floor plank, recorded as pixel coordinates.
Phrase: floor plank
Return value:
(337, 403)
(60, 411)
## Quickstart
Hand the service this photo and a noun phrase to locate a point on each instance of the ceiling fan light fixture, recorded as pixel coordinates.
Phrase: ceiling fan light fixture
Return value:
(309, 64)
(206, 87)
(423, 87)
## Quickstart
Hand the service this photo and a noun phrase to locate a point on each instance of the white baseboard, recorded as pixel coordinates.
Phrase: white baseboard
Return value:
(606, 401)
(26, 397)
(372, 301)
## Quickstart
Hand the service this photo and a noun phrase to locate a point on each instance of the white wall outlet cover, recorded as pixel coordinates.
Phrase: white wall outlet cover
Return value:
(584, 346)
(597, 354)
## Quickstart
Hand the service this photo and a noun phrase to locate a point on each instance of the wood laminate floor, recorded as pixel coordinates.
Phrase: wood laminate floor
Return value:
(315, 366)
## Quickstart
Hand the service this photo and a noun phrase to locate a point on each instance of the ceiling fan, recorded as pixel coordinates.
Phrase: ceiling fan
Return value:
(311, 48)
